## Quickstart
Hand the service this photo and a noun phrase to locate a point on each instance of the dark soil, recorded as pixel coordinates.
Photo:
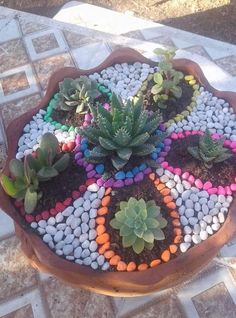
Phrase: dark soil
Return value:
(222, 173)
(147, 191)
(174, 106)
(70, 118)
(60, 187)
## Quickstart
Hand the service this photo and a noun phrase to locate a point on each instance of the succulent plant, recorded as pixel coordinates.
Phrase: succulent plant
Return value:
(210, 151)
(128, 130)
(166, 80)
(76, 93)
(26, 176)
(140, 223)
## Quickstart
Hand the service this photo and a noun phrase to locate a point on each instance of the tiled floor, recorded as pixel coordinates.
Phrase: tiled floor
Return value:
(41, 47)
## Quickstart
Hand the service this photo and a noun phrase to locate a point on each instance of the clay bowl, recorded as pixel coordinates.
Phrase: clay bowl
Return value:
(125, 284)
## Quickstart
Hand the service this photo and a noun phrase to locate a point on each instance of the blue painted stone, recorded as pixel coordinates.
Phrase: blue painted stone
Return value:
(142, 167)
(158, 150)
(100, 168)
(87, 153)
(84, 141)
(129, 174)
(135, 170)
(83, 147)
(120, 175)
(154, 156)
(161, 145)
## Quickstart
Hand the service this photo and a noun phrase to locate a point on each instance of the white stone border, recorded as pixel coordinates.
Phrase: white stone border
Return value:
(62, 46)
(201, 285)
(32, 298)
(33, 88)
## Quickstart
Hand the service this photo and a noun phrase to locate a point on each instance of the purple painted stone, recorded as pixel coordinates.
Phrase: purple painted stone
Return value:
(118, 184)
(162, 127)
(109, 183)
(97, 175)
(100, 182)
(167, 141)
(167, 148)
(87, 117)
(78, 155)
(129, 181)
(91, 173)
(163, 154)
(147, 170)
(80, 162)
(89, 167)
(139, 177)
(160, 160)
(85, 164)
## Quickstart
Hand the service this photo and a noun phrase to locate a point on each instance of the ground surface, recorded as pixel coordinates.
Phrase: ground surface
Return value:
(215, 19)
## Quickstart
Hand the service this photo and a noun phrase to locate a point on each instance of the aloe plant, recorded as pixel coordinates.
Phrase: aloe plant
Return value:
(140, 223)
(166, 80)
(25, 176)
(210, 151)
(125, 131)
(76, 94)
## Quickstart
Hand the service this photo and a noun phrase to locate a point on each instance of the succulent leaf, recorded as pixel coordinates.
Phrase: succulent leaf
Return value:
(16, 168)
(30, 201)
(139, 223)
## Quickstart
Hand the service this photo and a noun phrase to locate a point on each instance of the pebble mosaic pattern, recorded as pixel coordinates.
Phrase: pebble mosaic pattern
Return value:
(75, 229)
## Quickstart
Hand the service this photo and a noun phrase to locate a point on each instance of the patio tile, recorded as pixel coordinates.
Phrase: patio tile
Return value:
(76, 40)
(28, 26)
(63, 300)
(228, 64)
(23, 312)
(8, 30)
(44, 68)
(164, 40)
(134, 34)
(215, 302)
(22, 80)
(98, 306)
(8, 52)
(229, 250)
(198, 49)
(6, 225)
(45, 43)
(14, 109)
(16, 272)
(3, 156)
(91, 55)
(165, 308)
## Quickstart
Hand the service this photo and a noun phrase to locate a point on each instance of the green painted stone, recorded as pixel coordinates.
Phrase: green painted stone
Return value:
(64, 127)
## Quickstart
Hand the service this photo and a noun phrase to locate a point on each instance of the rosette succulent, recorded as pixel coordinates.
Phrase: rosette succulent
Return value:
(25, 176)
(76, 94)
(166, 80)
(140, 223)
(127, 130)
(210, 151)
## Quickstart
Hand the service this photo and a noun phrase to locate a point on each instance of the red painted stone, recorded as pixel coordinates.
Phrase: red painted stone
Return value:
(90, 181)
(38, 218)
(59, 207)
(75, 194)
(70, 145)
(29, 218)
(82, 188)
(67, 201)
(18, 204)
(53, 212)
(45, 215)
(64, 148)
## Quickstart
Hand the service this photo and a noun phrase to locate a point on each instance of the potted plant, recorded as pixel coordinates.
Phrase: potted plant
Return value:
(128, 198)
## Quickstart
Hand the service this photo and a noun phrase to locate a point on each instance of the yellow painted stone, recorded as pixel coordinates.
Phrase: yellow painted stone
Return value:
(189, 78)
(196, 87)
(192, 82)
(150, 77)
(185, 113)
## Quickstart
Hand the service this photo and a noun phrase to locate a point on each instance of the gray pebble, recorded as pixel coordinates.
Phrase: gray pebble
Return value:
(84, 227)
(51, 229)
(59, 217)
(96, 203)
(68, 211)
(78, 202)
(94, 265)
(69, 238)
(78, 212)
(85, 253)
(189, 213)
(85, 244)
(77, 252)
(67, 249)
(58, 236)
(83, 237)
(77, 232)
(87, 261)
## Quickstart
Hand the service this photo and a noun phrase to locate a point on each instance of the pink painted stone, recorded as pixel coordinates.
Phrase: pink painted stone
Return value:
(181, 135)
(87, 117)
(106, 106)
(164, 164)
(188, 133)
(177, 171)
(129, 181)
(221, 190)
(191, 179)
(233, 144)
(100, 182)
(227, 142)
(174, 136)
(234, 150)
(171, 169)
(215, 136)
(195, 132)
(198, 184)
(212, 191)
(207, 185)
(233, 186)
(185, 175)
(228, 190)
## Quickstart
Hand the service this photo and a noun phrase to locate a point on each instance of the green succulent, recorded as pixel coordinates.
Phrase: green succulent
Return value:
(76, 94)
(166, 80)
(127, 130)
(25, 176)
(210, 151)
(140, 223)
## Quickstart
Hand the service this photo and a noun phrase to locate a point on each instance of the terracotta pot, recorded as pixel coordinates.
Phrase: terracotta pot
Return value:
(115, 283)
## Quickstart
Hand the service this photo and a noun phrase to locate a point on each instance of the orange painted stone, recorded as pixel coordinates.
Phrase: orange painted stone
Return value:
(165, 256)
